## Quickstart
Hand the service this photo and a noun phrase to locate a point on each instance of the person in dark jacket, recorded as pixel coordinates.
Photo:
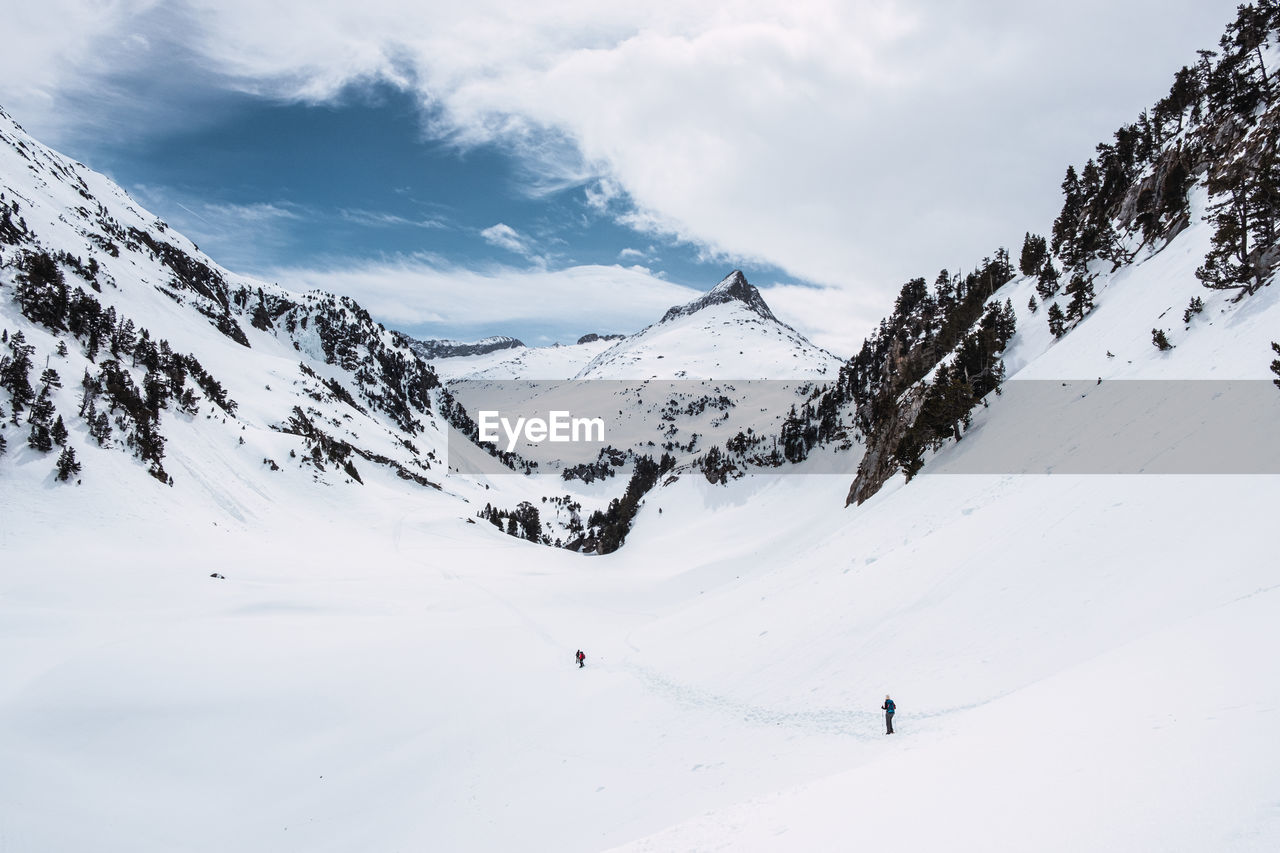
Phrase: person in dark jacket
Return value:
(889, 708)
(581, 658)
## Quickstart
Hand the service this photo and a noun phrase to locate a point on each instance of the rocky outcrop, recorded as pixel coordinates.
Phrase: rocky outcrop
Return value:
(432, 349)
(878, 463)
(734, 288)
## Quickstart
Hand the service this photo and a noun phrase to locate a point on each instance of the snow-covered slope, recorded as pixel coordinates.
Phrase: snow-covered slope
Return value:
(552, 362)
(729, 333)
(1073, 658)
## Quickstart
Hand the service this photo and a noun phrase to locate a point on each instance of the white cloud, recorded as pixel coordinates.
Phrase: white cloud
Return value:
(828, 316)
(49, 47)
(421, 291)
(852, 143)
(505, 237)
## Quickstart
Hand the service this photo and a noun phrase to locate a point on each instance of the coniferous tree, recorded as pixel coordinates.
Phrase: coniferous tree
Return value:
(1068, 221)
(909, 454)
(1047, 285)
(67, 464)
(14, 373)
(1226, 265)
(1006, 323)
(41, 290)
(4, 445)
(1034, 252)
(1246, 239)
(1160, 340)
(1080, 289)
(58, 432)
(90, 388)
(100, 428)
(154, 392)
(40, 420)
(1057, 321)
(1275, 365)
(1032, 305)
(1194, 308)
(94, 343)
(1251, 28)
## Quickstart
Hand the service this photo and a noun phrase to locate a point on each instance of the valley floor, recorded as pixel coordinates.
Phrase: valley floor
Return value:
(1079, 663)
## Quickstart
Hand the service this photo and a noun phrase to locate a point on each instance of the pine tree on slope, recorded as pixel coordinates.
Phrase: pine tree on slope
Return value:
(67, 464)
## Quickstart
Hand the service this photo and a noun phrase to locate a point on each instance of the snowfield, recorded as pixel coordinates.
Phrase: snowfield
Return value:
(1079, 663)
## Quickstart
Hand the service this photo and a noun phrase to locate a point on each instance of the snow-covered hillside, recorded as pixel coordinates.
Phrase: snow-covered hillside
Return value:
(169, 380)
(551, 362)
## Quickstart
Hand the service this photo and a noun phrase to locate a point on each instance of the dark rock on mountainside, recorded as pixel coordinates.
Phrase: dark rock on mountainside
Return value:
(433, 348)
(734, 288)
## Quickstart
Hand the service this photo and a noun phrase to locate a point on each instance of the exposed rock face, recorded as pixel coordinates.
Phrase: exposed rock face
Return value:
(878, 465)
(593, 337)
(734, 288)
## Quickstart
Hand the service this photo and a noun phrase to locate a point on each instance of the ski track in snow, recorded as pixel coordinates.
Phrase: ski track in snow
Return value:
(840, 722)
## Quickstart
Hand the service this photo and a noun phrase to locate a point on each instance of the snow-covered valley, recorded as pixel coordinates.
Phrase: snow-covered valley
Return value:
(268, 613)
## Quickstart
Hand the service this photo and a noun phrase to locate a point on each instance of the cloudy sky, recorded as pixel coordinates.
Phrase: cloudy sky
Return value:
(549, 168)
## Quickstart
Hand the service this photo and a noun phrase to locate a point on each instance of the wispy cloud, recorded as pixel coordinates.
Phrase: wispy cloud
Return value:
(238, 236)
(382, 219)
(420, 292)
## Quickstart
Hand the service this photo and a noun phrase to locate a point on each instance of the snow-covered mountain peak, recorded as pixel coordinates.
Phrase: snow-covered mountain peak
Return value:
(727, 333)
(733, 288)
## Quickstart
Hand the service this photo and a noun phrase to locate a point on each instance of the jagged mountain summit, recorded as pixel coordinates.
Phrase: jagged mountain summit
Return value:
(733, 288)
(729, 333)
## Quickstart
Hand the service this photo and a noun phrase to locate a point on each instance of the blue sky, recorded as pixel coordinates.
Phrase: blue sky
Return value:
(266, 186)
(546, 169)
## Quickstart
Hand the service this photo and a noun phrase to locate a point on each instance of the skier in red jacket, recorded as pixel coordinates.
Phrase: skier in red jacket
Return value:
(582, 659)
